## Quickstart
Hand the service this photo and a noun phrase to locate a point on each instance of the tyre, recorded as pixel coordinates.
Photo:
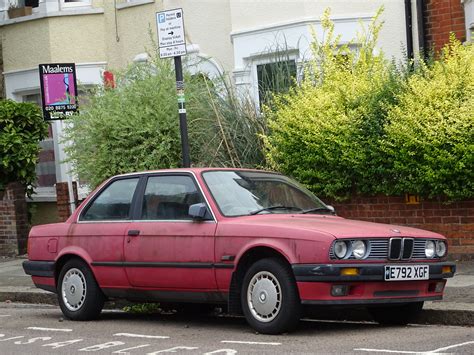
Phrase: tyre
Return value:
(79, 296)
(270, 299)
(396, 315)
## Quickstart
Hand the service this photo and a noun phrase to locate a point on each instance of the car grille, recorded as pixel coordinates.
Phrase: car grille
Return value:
(390, 248)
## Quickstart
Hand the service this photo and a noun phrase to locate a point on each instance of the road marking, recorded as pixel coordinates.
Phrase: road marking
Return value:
(174, 350)
(248, 342)
(12, 338)
(32, 340)
(126, 351)
(5, 315)
(60, 344)
(452, 346)
(417, 352)
(103, 346)
(50, 329)
(131, 335)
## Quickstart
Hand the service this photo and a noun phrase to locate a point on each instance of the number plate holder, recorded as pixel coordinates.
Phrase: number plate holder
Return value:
(406, 272)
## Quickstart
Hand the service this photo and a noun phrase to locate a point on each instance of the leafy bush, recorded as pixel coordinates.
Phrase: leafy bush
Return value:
(21, 129)
(325, 132)
(359, 125)
(430, 133)
(135, 126)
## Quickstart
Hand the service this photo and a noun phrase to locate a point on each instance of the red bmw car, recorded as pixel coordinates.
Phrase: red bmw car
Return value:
(255, 241)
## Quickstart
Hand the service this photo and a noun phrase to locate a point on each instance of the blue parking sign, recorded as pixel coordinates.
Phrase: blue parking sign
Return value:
(161, 18)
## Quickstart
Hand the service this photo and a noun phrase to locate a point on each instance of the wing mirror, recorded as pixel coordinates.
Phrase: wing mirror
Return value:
(199, 211)
(332, 209)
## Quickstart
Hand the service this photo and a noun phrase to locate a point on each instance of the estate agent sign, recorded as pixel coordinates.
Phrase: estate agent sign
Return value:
(58, 90)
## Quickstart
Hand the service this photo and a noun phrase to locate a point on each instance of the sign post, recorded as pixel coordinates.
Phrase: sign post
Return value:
(172, 43)
(59, 101)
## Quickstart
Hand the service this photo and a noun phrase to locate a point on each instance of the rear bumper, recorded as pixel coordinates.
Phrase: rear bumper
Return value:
(39, 268)
(316, 282)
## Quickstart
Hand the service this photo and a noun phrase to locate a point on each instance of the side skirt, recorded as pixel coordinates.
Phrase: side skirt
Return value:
(166, 296)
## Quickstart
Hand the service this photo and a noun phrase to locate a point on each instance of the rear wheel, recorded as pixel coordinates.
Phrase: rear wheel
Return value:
(396, 315)
(79, 296)
(269, 296)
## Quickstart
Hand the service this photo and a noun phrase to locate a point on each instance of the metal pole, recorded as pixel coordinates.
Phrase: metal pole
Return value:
(183, 125)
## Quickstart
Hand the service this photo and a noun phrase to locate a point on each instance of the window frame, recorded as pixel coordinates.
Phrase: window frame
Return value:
(84, 210)
(138, 207)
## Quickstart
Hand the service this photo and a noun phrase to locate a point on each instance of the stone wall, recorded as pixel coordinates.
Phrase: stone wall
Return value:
(453, 220)
(13, 221)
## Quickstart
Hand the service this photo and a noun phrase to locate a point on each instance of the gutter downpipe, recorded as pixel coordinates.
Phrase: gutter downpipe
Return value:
(409, 30)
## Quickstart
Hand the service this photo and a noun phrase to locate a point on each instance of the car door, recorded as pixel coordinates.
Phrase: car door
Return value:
(100, 231)
(165, 248)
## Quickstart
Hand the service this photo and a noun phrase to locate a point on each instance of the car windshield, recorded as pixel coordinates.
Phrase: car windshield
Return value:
(240, 193)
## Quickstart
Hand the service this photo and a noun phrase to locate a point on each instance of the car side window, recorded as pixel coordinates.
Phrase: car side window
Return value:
(113, 203)
(168, 197)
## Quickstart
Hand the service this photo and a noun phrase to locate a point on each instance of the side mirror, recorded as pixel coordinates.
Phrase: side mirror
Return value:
(199, 211)
(332, 209)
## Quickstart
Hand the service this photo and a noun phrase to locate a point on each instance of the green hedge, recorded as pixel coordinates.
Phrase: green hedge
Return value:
(21, 129)
(360, 125)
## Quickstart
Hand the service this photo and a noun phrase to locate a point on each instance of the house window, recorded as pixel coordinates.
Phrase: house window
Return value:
(46, 166)
(32, 3)
(74, 3)
(275, 78)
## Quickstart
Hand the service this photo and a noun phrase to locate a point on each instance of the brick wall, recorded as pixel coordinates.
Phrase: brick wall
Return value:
(13, 221)
(454, 220)
(62, 195)
(441, 18)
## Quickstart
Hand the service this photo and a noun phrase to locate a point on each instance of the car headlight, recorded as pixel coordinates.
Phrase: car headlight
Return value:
(359, 249)
(340, 249)
(429, 249)
(440, 249)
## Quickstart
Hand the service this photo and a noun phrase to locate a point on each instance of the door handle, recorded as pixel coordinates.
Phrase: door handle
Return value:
(133, 232)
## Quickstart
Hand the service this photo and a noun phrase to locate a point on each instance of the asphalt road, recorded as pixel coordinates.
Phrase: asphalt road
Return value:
(28, 329)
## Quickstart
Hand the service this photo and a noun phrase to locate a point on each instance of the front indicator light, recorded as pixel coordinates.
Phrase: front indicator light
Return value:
(446, 270)
(339, 290)
(350, 271)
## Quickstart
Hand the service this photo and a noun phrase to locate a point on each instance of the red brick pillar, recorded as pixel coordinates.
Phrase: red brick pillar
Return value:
(62, 195)
(441, 18)
(14, 225)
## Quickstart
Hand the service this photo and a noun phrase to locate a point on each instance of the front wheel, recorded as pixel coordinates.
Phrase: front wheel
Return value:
(270, 299)
(79, 296)
(396, 315)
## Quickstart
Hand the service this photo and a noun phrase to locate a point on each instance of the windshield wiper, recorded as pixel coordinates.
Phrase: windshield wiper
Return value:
(276, 207)
(317, 209)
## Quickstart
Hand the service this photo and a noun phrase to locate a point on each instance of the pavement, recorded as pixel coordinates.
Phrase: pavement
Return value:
(457, 307)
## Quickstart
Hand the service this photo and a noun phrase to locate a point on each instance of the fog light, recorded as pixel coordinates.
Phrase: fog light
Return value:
(350, 271)
(439, 287)
(446, 270)
(339, 290)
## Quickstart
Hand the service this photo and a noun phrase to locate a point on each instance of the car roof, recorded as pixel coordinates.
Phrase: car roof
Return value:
(193, 170)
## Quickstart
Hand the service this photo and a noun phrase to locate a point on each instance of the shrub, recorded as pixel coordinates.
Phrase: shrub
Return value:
(325, 132)
(135, 126)
(21, 129)
(430, 132)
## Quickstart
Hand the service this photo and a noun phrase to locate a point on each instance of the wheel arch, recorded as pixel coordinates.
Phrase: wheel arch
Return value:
(67, 255)
(249, 257)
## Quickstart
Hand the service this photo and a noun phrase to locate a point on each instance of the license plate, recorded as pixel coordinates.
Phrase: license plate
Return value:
(406, 272)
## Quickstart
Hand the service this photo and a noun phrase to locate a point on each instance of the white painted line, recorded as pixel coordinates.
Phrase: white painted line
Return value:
(248, 342)
(131, 335)
(389, 351)
(127, 350)
(5, 315)
(50, 329)
(452, 346)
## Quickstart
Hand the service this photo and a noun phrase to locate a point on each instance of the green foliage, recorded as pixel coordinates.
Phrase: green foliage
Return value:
(136, 127)
(357, 124)
(21, 129)
(430, 133)
(143, 308)
(325, 131)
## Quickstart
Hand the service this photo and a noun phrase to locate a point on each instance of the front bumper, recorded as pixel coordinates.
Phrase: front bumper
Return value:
(315, 284)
